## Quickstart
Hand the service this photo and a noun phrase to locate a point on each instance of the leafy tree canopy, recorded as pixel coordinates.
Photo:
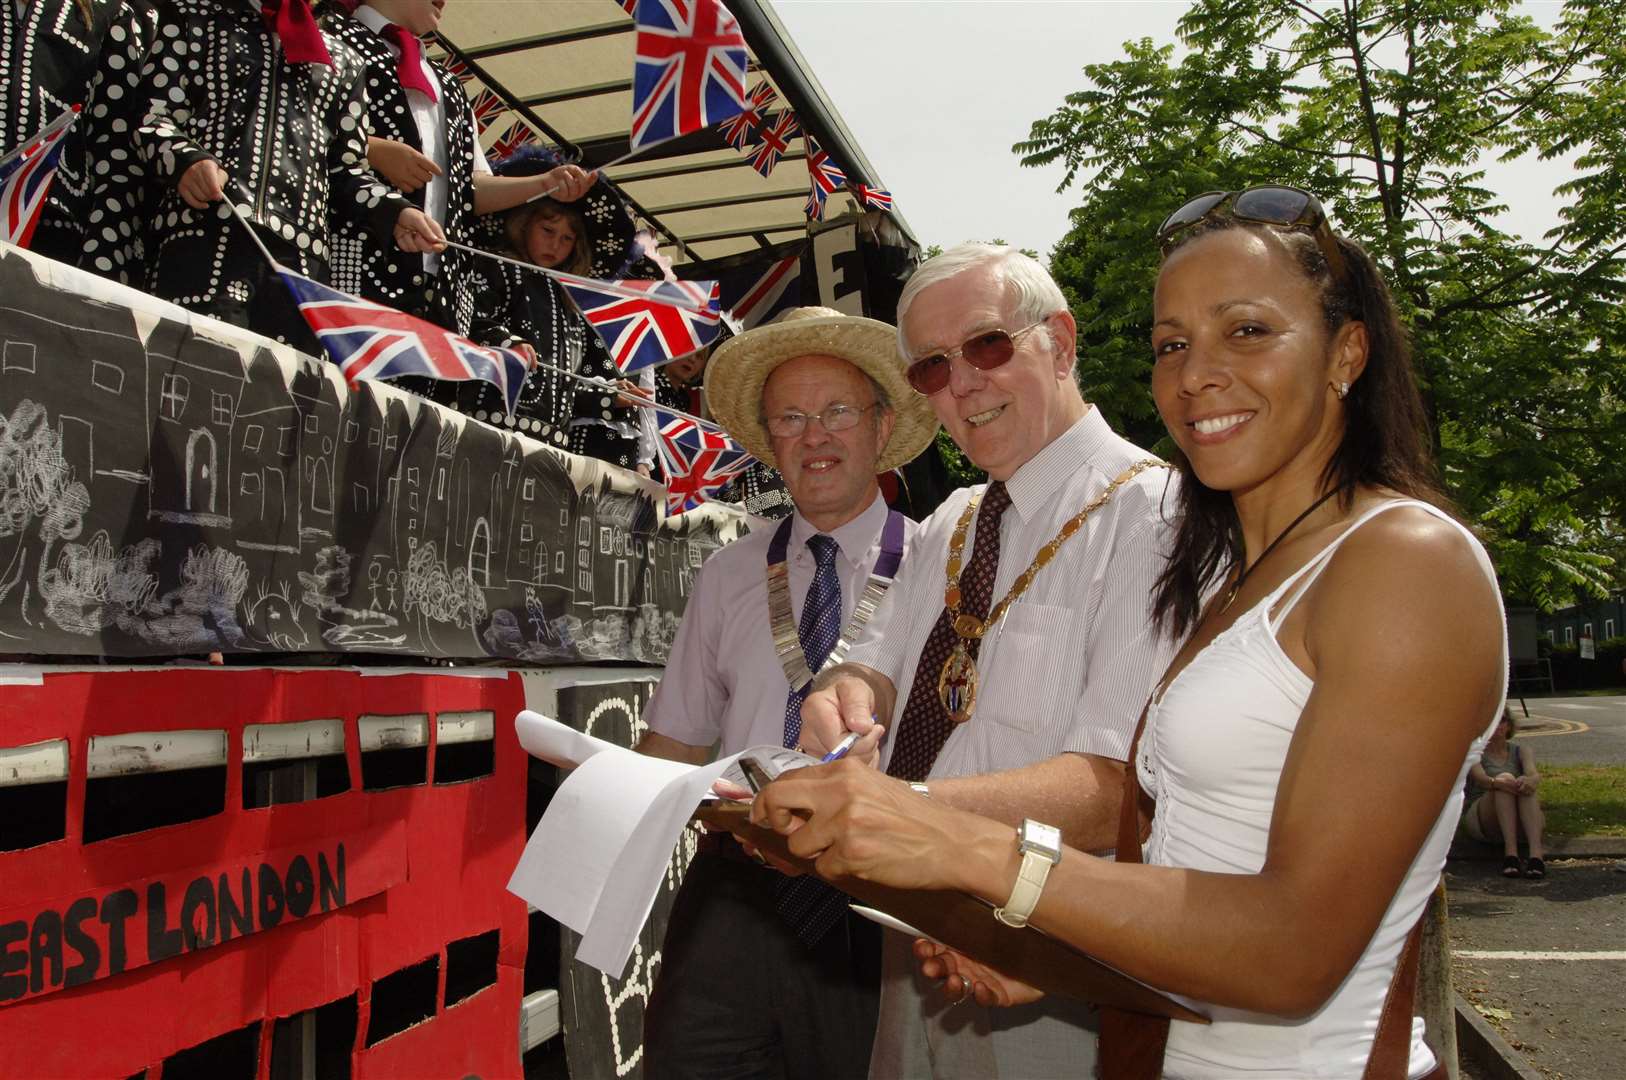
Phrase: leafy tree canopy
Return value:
(1390, 111)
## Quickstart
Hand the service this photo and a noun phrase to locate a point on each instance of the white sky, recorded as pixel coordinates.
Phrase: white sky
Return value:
(936, 91)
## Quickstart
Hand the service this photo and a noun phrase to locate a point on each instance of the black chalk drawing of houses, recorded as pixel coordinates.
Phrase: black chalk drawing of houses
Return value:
(193, 396)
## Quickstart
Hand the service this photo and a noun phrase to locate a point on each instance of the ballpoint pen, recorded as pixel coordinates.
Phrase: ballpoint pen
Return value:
(841, 749)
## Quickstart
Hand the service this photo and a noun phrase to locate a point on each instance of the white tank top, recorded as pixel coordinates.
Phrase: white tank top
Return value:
(1212, 755)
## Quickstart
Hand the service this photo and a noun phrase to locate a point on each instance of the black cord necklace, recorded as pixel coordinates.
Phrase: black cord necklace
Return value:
(1230, 597)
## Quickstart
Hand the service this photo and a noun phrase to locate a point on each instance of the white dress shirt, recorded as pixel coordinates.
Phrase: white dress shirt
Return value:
(723, 681)
(430, 118)
(1068, 668)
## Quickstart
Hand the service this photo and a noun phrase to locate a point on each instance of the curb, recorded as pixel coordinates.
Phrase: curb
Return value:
(1476, 1039)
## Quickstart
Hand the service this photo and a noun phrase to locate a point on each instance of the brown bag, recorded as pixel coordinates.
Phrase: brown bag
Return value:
(1132, 1044)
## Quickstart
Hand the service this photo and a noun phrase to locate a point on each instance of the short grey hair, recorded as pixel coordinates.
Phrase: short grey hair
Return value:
(1035, 292)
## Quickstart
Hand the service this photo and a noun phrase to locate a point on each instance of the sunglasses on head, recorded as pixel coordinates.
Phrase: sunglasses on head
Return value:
(1269, 204)
(984, 351)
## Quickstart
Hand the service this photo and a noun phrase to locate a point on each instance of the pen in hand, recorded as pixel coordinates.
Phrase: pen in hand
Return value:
(841, 749)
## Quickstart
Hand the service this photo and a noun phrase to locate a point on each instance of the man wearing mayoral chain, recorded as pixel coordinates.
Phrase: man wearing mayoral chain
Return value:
(764, 975)
(1016, 648)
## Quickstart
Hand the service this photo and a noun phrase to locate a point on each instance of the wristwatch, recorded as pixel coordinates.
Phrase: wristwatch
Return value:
(1040, 845)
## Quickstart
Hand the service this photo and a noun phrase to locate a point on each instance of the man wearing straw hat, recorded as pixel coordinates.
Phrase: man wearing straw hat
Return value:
(761, 974)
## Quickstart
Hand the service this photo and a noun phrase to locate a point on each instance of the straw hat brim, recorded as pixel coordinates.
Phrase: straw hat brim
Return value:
(740, 367)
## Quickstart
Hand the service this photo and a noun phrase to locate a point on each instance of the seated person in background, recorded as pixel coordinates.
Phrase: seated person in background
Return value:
(1502, 794)
(422, 139)
(57, 53)
(255, 95)
(590, 237)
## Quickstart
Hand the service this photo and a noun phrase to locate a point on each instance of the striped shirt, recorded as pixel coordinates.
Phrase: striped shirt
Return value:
(1073, 661)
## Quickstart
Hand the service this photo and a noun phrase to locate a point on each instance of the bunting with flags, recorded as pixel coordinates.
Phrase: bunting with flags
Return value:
(698, 461)
(738, 131)
(773, 142)
(518, 134)
(824, 177)
(486, 107)
(871, 198)
(25, 179)
(371, 341)
(670, 320)
(688, 71)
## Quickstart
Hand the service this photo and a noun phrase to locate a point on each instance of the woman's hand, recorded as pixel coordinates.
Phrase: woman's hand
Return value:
(855, 822)
(401, 165)
(1526, 785)
(963, 977)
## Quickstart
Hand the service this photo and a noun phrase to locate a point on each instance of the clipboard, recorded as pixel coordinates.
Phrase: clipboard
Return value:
(967, 923)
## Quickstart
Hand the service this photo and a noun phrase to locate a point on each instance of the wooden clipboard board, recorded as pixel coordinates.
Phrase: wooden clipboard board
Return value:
(968, 924)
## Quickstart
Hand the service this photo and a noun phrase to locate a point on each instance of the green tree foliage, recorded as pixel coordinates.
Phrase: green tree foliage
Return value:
(1390, 110)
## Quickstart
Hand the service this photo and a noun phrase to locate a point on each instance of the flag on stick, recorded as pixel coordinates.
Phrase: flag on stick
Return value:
(689, 69)
(371, 341)
(697, 460)
(25, 179)
(669, 320)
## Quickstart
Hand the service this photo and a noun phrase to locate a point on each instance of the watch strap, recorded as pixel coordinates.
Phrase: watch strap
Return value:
(1029, 886)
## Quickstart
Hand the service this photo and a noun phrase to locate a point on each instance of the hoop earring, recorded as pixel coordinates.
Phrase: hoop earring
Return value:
(1342, 390)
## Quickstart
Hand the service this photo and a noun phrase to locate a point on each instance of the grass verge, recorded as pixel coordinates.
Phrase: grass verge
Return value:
(1584, 800)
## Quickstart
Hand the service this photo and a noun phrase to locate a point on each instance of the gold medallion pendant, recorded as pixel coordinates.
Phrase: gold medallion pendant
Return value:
(957, 684)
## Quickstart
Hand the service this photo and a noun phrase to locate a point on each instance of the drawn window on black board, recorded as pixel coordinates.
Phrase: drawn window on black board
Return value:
(172, 394)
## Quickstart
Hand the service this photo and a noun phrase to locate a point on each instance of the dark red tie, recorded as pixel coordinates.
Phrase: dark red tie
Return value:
(925, 725)
(409, 68)
(295, 27)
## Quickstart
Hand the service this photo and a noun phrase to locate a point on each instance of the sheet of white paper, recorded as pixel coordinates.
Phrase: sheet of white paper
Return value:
(875, 915)
(548, 739)
(599, 855)
(588, 822)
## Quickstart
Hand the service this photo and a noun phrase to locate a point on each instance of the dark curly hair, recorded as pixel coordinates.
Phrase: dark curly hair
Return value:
(1385, 441)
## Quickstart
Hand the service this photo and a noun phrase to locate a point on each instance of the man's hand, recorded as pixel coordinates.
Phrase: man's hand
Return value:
(202, 183)
(566, 183)
(964, 977)
(401, 165)
(416, 231)
(846, 703)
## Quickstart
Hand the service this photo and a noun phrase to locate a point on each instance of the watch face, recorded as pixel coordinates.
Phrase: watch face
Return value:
(1042, 838)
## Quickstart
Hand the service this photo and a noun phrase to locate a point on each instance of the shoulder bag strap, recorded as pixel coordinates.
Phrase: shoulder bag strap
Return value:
(1131, 1044)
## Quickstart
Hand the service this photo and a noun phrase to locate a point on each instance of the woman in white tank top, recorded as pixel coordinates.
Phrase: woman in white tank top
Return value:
(1345, 658)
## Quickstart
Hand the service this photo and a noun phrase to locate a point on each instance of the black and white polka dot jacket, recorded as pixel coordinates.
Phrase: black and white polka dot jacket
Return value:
(52, 61)
(381, 271)
(294, 136)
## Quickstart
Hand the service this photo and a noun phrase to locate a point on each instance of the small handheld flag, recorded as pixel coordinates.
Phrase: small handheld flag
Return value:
(697, 461)
(371, 341)
(25, 179)
(689, 69)
(670, 320)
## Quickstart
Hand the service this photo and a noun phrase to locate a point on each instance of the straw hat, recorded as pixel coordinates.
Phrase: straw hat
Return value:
(741, 365)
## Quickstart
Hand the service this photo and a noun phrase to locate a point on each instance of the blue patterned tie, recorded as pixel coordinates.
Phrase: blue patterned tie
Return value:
(809, 906)
(821, 625)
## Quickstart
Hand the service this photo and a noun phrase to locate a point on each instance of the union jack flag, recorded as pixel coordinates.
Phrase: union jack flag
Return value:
(773, 142)
(629, 6)
(754, 296)
(485, 106)
(874, 198)
(371, 341)
(670, 320)
(689, 69)
(455, 67)
(25, 179)
(738, 130)
(697, 461)
(825, 176)
(518, 134)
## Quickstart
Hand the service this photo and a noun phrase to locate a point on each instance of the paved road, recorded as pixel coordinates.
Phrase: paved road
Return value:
(1551, 955)
(1576, 730)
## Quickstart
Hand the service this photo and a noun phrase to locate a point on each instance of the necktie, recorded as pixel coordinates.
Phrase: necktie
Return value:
(820, 627)
(295, 27)
(809, 906)
(409, 65)
(925, 724)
